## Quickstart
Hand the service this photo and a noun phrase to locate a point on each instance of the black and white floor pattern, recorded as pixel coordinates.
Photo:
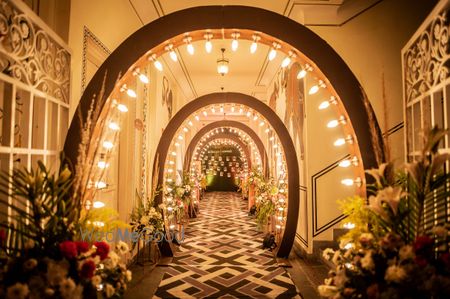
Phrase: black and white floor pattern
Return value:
(222, 257)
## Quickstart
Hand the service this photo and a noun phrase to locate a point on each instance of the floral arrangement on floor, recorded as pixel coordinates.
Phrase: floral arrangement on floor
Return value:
(146, 219)
(178, 198)
(41, 256)
(389, 253)
(266, 192)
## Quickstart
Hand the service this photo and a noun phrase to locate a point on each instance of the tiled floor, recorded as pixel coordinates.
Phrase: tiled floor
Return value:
(222, 257)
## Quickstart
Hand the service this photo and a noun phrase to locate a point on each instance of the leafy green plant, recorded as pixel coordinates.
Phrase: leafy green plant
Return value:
(43, 208)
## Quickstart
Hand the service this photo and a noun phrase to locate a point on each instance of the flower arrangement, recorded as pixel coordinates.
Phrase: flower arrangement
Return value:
(266, 195)
(146, 219)
(41, 257)
(390, 253)
(178, 198)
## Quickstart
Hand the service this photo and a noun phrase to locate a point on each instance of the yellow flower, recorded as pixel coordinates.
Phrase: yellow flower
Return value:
(109, 290)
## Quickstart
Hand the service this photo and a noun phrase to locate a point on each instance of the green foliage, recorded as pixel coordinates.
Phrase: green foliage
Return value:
(43, 208)
(265, 209)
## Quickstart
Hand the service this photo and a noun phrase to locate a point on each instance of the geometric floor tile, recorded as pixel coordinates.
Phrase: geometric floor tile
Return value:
(221, 256)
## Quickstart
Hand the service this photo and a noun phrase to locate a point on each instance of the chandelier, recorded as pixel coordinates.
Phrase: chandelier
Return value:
(222, 64)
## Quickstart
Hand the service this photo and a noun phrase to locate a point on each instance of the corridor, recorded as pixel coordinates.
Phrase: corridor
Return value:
(222, 257)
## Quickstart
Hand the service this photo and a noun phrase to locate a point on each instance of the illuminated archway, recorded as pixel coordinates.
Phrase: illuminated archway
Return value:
(153, 36)
(226, 123)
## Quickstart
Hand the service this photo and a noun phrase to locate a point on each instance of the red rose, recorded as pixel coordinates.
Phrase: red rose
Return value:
(87, 269)
(102, 249)
(68, 249)
(82, 246)
(423, 242)
(421, 261)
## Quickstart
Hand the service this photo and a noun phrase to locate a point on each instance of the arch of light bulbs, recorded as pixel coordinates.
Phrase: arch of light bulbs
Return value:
(202, 150)
(277, 47)
(137, 73)
(230, 109)
(243, 136)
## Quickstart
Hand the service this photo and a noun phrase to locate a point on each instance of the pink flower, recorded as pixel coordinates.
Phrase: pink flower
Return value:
(68, 249)
(87, 269)
(102, 249)
(82, 246)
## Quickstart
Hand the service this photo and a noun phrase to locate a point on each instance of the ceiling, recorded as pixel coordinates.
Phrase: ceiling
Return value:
(251, 74)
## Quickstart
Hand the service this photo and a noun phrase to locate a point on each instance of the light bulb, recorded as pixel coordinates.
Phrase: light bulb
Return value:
(261, 124)
(98, 204)
(185, 129)
(347, 182)
(190, 49)
(339, 142)
(286, 61)
(100, 185)
(324, 105)
(241, 110)
(173, 56)
(234, 45)
(143, 78)
(253, 47)
(221, 109)
(197, 118)
(131, 93)
(205, 113)
(177, 144)
(174, 153)
(272, 54)
(255, 117)
(170, 170)
(158, 65)
(190, 123)
(301, 74)
(208, 46)
(345, 163)
(213, 110)
(313, 89)
(180, 137)
(108, 144)
(114, 126)
(249, 113)
(122, 108)
(333, 123)
(171, 162)
(349, 225)
(102, 164)
(267, 130)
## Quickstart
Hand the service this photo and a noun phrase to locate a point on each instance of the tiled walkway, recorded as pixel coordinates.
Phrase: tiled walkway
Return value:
(222, 257)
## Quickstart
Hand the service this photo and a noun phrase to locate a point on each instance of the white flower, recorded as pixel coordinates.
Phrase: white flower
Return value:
(128, 275)
(406, 252)
(122, 247)
(57, 272)
(327, 253)
(17, 291)
(145, 219)
(395, 273)
(367, 261)
(340, 279)
(67, 287)
(336, 257)
(327, 291)
(112, 260)
(96, 280)
(439, 231)
(109, 290)
(392, 196)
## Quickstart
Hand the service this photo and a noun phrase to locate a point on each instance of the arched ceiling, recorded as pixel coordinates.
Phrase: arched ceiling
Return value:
(196, 75)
